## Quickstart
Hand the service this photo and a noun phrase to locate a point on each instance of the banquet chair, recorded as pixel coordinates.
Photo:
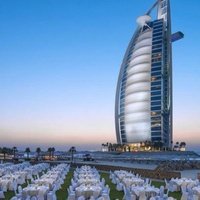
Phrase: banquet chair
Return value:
(37, 175)
(13, 186)
(152, 198)
(71, 196)
(19, 193)
(114, 181)
(119, 187)
(190, 193)
(103, 181)
(195, 197)
(61, 181)
(5, 187)
(166, 194)
(51, 196)
(147, 181)
(184, 196)
(40, 195)
(2, 196)
(128, 195)
(20, 189)
(166, 184)
(71, 188)
(172, 187)
(183, 188)
(81, 198)
(27, 181)
(57, 185)
(105, 196)
(142, 195)
(162, 191)
(74, 185)
(95, 193)
(106, 189)
(33, 198)
(170, 198)
(13, 198)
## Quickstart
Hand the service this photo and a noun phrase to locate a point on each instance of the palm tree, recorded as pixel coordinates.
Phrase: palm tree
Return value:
(72, 150)
(27, 150)
(4, 151)
(182, 145)
(110, 147)
(49, 150)
(52, 151)
(14, 149)
(38, 150)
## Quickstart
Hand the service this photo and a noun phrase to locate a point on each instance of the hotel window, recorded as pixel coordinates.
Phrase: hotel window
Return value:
(156, 136)
(158, 22)
(156, 59)
(156, 83)
(158, 29)
(156, 64)
(155, 128)
(155, 98)
(156, 88)
(157, 41)
(156, 108)
(157, 46)
(158, 73)
(160, 37)
(156, 103)
(155, 119)
(157, 34)
(155, 69)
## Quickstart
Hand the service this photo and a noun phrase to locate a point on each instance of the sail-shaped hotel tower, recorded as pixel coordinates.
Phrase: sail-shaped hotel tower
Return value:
(143, 107)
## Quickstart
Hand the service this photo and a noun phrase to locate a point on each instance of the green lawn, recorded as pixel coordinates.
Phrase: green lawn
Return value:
(10, 194)
(176, 195)
(114, 194)
(62, 193)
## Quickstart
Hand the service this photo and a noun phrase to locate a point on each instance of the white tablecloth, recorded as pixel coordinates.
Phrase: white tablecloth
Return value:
(88, 191)
(149, 190)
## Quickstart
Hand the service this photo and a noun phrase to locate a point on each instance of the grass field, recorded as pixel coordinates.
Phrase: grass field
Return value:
(114, 194)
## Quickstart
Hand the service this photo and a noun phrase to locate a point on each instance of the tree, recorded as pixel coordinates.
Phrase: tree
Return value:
(72, 150)
(129, 148)
(52, 151)
(38, 150)
(49, 150)
(158, 145)
(182, 146)
(110, 147)
(14, 149)
(4, 151)
(27, 150)
(114, 147)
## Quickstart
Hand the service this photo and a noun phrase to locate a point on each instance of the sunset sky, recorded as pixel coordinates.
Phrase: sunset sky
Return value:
(59, 64)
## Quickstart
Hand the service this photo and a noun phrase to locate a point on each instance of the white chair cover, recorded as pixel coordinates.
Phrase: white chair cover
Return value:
(142, 196)
(2, 195)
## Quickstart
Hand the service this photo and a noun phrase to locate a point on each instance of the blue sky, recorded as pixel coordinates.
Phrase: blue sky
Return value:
(59, 64)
